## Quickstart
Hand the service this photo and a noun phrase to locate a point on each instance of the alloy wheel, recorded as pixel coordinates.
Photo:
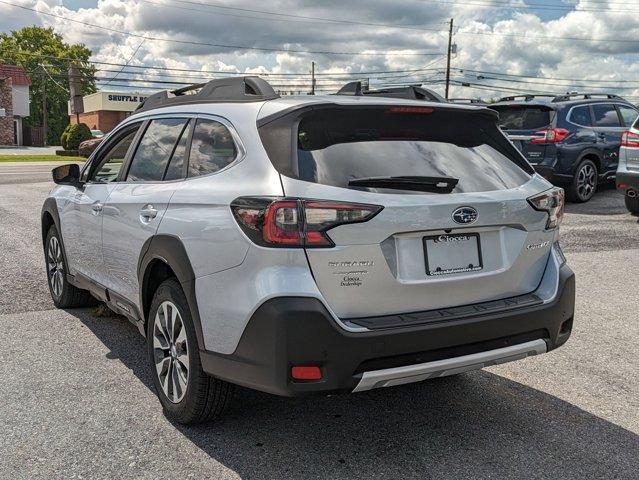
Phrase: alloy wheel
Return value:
(586, 181)
(170, 351)
(55, 266)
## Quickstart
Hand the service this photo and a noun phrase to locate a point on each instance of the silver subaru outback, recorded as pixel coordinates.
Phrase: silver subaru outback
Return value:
(315, 244)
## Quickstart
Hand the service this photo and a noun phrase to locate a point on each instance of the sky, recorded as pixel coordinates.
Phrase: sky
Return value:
(502, 46)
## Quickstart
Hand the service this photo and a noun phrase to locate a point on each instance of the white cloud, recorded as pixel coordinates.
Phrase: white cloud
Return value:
(488, 39)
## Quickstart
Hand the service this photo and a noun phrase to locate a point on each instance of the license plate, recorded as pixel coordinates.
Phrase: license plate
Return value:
(457, 253)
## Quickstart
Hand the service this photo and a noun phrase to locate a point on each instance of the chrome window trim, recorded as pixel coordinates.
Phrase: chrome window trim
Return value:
(239, 156)
(614, 104)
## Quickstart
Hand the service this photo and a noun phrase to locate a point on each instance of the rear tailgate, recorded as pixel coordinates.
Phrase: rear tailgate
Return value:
(521, 124)
(423, 250)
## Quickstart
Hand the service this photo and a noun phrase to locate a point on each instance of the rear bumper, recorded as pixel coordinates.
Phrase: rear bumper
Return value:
(629, 179)
(550, 174)
(287, 331)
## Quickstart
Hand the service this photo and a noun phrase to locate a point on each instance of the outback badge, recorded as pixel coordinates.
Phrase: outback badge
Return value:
(465, 215)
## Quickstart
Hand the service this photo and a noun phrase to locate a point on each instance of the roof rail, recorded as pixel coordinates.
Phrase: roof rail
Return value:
(585, 96)
(528, 96)
(466, 100)
(410, 92)
(222, 90)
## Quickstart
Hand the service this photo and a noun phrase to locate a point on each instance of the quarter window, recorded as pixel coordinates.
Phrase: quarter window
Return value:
(212, 148)
(628, 114)
(605, 115)
(152, 156)
(110, 164)
(581, 116)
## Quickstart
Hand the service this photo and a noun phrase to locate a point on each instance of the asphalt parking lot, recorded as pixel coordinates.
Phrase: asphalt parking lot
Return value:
(76, 397)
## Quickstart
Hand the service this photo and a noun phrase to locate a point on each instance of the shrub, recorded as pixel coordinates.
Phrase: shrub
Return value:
(73, 135)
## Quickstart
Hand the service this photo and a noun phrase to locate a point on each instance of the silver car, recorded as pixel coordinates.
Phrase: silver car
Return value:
(627, 178)
(313, 244)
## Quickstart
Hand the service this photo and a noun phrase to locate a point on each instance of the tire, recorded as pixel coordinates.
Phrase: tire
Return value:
(187, 394)
(63, 294)
(584, 183)
(632, 204)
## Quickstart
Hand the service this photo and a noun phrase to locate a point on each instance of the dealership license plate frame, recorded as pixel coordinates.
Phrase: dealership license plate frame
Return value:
(451, 270)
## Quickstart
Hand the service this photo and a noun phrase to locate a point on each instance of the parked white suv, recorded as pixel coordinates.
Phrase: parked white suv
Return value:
(310, 244)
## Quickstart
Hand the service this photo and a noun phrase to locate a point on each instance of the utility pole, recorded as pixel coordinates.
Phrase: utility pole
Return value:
(450, 47)
(312, 78)
(44, 108)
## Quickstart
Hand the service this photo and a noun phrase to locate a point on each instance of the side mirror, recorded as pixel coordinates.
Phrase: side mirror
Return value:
(67, 174)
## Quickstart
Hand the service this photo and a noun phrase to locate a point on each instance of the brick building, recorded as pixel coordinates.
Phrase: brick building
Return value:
(104, 110)
(14, 103)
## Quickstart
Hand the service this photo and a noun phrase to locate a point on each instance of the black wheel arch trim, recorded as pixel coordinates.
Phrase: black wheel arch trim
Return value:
(593, 152)
(169, 250)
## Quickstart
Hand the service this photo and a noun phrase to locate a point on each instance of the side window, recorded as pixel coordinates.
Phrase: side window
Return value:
(151, 158)
(581, 116)
(176, 165)
(212, 148)
(109, 165)
(605, 115)
(628, 114)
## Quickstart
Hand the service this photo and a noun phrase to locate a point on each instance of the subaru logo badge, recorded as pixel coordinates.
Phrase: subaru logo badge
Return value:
(465, 215)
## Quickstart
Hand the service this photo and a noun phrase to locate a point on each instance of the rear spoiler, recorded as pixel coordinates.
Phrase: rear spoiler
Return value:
(445, 107)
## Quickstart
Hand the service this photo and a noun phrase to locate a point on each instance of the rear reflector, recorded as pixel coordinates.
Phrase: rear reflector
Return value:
(306, 373)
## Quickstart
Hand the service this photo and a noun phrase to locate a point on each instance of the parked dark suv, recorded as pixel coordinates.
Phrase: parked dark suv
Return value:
(572, 140)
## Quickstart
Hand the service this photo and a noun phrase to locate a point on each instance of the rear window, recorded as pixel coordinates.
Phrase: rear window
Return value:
(335, 146)
(522, 118)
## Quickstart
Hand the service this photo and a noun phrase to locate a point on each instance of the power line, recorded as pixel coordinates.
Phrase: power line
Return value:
(463, 70)
(219, 45)
(227, 73)
(285, 17)
(534, 6)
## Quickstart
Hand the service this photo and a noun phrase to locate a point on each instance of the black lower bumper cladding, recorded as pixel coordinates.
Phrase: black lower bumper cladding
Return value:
(631, 180)
(288, 331)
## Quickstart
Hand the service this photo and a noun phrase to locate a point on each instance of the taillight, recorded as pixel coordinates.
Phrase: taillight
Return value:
(296, 222)
(550, 135)
(551, 202)
(629, 139)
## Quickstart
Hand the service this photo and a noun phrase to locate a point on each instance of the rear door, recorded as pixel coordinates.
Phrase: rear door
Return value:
(521, 124)
(608, 128)
(424, 250)
(137, 204)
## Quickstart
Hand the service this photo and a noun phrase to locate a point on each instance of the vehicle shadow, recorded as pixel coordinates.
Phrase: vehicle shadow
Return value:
(607, 201)
(476, 425)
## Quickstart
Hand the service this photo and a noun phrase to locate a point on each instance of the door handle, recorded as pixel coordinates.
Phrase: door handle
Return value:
(96, 207)
(148, 212)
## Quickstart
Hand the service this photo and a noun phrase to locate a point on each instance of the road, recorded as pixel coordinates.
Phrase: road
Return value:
(76, 397)
(26, 172)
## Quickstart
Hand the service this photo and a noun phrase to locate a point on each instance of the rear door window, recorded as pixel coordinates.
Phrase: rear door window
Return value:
(212, 148)
(605, 115)
(335, 147)
(523, 117)
(154, 150)
(581, 116)
(628, 115)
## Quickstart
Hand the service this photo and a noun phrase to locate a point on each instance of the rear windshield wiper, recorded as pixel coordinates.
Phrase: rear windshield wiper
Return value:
(417, 183)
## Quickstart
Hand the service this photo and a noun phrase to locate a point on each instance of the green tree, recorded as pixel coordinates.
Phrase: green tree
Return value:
(46, 58)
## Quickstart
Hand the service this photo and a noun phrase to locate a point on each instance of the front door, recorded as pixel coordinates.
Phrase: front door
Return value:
(136, 206)
(81, 217)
